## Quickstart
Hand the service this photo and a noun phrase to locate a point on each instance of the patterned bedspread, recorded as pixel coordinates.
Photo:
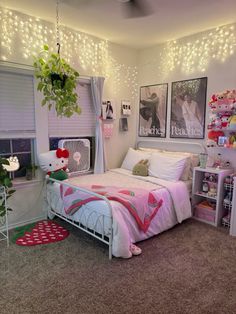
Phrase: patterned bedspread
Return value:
(142, 204)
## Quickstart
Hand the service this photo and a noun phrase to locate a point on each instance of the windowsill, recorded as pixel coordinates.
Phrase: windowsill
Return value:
(22, 182)
(72, 175)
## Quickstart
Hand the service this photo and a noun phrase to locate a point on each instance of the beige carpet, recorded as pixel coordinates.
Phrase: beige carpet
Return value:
(189, 269)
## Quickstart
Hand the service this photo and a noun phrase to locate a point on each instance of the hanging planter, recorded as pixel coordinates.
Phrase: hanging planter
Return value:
(56, 77)
(57, 81)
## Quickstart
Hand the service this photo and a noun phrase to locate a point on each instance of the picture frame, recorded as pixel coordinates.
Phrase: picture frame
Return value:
(124, 125)
(188, 108)
(153, 110)
(108, 111)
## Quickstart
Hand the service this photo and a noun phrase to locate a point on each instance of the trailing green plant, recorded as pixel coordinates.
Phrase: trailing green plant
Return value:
(5, 181)
(57, 82)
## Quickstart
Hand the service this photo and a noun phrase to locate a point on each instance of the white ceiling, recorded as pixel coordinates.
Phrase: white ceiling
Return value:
(171, 19)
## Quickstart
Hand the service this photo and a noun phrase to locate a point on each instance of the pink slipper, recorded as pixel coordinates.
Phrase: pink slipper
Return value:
(135, 250)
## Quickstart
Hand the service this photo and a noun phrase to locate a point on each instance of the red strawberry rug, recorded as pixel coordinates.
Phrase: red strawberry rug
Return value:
(43, 232)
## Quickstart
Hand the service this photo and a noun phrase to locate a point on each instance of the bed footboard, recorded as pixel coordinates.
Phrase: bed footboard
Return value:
(94, 218)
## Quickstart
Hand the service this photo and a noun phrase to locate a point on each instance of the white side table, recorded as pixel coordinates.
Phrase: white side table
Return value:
(198, 195)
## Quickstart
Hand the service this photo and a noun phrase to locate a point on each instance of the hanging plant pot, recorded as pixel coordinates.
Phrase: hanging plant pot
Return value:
(57, 81)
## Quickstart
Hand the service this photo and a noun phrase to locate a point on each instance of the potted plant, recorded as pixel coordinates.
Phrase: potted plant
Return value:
(30, 171)
(6, 182)
(57, 82)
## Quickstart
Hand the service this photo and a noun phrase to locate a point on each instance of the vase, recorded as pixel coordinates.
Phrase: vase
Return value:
(203, 160)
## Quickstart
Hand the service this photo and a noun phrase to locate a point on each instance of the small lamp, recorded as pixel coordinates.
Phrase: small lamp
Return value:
(13, 164)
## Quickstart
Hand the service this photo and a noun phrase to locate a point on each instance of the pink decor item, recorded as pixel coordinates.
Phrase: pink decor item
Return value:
(108, 130)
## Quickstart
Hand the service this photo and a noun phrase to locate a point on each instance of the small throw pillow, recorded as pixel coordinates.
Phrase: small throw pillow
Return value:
(141, 168)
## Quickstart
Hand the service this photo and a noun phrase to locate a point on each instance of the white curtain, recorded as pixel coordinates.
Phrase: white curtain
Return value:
(97, 88)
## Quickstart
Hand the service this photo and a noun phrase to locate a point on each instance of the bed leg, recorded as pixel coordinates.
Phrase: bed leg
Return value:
(110, 251)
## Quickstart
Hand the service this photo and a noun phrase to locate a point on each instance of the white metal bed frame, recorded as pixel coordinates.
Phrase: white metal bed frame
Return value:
(89, 220)
(85, 225)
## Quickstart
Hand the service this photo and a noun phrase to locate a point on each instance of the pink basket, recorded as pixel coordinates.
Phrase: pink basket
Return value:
(204, 213)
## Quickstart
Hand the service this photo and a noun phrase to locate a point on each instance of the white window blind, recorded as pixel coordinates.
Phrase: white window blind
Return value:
(77, 125)
(17, 115)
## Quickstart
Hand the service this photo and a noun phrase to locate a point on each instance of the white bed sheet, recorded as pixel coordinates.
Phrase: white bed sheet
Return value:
(175, 208)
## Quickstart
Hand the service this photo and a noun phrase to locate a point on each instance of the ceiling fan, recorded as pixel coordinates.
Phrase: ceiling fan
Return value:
(129, 8)
(135, 8)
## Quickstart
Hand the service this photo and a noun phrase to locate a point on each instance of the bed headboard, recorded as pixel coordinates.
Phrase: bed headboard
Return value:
(173, 146)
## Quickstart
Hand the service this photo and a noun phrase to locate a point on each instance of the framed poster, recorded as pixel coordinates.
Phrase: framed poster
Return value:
(152, 110)
(188, 107)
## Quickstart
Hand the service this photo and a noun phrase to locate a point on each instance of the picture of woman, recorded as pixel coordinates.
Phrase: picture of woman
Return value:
(152, 110)
(188, 103)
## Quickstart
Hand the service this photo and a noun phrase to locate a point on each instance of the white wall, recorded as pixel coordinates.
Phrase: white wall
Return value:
(159, 64)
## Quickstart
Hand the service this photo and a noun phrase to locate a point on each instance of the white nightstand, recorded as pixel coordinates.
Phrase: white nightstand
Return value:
(200, 212)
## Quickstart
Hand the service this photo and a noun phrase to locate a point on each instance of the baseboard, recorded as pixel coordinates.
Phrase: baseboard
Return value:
(23, 223)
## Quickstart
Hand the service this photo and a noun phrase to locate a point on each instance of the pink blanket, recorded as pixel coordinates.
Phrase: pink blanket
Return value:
(142, 204)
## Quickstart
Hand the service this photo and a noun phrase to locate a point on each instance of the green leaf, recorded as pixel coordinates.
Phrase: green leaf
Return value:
(7, 182)
(62, 95)
(4, 161)
(45, 47)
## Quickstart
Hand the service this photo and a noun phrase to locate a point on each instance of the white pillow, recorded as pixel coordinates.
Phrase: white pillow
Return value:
(166, 166)
(150, 150)
(133, 157)
(192, 161)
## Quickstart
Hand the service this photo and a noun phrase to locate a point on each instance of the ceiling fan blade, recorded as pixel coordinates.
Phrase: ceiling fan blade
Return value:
(136, 8)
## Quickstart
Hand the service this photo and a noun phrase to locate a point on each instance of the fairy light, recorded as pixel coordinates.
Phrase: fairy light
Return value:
(27, 35)
(218, 44)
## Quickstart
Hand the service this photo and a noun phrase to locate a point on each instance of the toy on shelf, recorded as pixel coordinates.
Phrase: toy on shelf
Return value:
(212, 190)
(209, 184)
(218, 163)
(222, 119)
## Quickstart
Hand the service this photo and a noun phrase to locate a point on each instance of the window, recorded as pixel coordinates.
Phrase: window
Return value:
(22, 148)
(78, 126)
(16, 104)
(17, 116)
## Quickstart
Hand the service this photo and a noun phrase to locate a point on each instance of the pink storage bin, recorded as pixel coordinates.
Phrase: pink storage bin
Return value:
(204, 213)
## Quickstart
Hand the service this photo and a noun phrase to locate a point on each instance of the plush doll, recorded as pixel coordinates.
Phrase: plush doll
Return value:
(55, 163)
(225, 120)
(214, 135)
(141, 168)
(232, 122)
(211, 143)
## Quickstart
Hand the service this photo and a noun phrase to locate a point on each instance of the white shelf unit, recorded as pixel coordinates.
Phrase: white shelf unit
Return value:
(198, 196)
(4, 235)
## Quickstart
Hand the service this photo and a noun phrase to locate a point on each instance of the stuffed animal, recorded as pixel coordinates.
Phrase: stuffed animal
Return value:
(214, 135)
(211, 143)
(232, 122)
(141, 168)
(225, 120)
(55, 163)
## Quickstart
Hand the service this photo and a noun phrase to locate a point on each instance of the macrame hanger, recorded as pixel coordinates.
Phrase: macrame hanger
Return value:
(57, 28)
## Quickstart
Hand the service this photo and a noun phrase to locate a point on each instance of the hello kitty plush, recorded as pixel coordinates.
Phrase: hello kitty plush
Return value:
(55, 163)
